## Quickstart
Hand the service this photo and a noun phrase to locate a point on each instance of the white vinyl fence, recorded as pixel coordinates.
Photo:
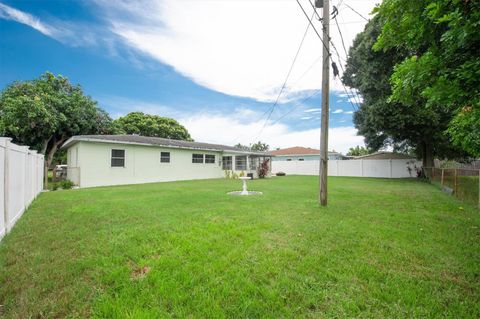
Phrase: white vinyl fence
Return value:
(21, 179)
(396, 168)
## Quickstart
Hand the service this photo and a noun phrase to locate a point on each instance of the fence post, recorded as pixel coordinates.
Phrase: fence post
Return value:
(441, 182)
(455, 182)
(6, 194)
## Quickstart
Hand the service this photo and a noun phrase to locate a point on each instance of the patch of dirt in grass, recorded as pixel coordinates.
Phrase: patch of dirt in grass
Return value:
(139, 272)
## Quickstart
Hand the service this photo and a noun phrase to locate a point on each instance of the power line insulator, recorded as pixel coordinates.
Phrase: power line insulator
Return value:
(335, 69)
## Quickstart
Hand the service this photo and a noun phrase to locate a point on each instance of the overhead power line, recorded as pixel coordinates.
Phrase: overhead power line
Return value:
(310, 21)
(341, 38)
(349, 95)
(358, 13)
(270, 110)
(297, 105)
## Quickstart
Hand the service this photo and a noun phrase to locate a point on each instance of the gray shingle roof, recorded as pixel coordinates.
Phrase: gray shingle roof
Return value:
(157, 141)
(385, 155)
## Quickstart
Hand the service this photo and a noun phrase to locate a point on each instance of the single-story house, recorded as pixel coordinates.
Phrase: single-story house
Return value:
(299, 153)
(384, 156)
(100, 160)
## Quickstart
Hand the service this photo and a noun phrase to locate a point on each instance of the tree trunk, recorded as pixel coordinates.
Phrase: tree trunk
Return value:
(45, 167)
(427, 155)
(49, 156)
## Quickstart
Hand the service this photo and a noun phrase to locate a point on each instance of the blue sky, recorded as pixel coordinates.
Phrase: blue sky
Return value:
(216, 77)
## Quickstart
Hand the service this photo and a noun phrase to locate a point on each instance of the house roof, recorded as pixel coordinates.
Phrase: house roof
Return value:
(298, 150)
(155, 141)
(384, 155)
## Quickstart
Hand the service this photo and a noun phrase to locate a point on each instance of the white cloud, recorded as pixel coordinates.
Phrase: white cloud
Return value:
(306, 118)
(317, 110)
(238, 126)
(337, 111)
(10, 13)
(240, 48)
(124, 105)
(230, 131)
(349, 112)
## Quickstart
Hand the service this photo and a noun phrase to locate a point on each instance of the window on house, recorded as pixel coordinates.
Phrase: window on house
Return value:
(226, 162)
(253, 163)
(301, 159)
(165, 157)
(209, 159)
(197, 158)
(118, 158)
(289, 159)
(241, 163)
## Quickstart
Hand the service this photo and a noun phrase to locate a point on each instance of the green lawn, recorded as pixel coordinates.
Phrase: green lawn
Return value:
(382, 249)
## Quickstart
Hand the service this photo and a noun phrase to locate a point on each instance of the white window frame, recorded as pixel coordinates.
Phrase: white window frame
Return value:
(117, 157)
(230, 161)
(162, 157)
(210, 155)
(197, 162)
(245, 163)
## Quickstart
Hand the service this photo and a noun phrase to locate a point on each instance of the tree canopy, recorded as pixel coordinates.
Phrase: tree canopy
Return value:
(44, 112)
(358, 151)
(152, 125)
(255, 147)
(259, 147)
(442, 67)
(394, 111)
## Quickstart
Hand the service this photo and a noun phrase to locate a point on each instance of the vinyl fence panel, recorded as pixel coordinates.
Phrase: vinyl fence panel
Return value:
(21, 180)
(2, 188)
(396, 168)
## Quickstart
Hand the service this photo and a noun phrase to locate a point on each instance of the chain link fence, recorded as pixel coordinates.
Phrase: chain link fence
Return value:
(463, 183)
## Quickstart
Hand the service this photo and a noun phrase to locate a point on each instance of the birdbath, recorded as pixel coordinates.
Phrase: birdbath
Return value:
(244, 189)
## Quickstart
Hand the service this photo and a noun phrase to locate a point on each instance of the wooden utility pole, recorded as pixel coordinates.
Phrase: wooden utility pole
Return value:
(325, 103)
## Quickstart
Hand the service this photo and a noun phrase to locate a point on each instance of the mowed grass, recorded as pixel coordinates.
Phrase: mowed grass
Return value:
(381, 249)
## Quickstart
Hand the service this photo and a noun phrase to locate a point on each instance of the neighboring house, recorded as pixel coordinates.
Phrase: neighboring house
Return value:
(384, 156)
(99, 160)
(299, 153)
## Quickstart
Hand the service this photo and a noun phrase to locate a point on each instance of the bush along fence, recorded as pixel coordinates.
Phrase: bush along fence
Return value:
(461, 182)
(21, 180)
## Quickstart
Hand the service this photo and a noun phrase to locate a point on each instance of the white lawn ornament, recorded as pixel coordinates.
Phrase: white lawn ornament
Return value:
(244, 191)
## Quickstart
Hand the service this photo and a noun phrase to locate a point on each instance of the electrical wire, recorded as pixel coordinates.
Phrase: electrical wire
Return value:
(330, 56)
(341, 37)
(296, 105)
(270, 110)
(356, 12)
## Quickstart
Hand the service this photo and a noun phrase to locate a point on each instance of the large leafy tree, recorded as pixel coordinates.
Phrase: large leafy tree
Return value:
(389, 122)
(152, 125)
(45, 112)
(259, 147)
(441, 71)
(358, 151)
